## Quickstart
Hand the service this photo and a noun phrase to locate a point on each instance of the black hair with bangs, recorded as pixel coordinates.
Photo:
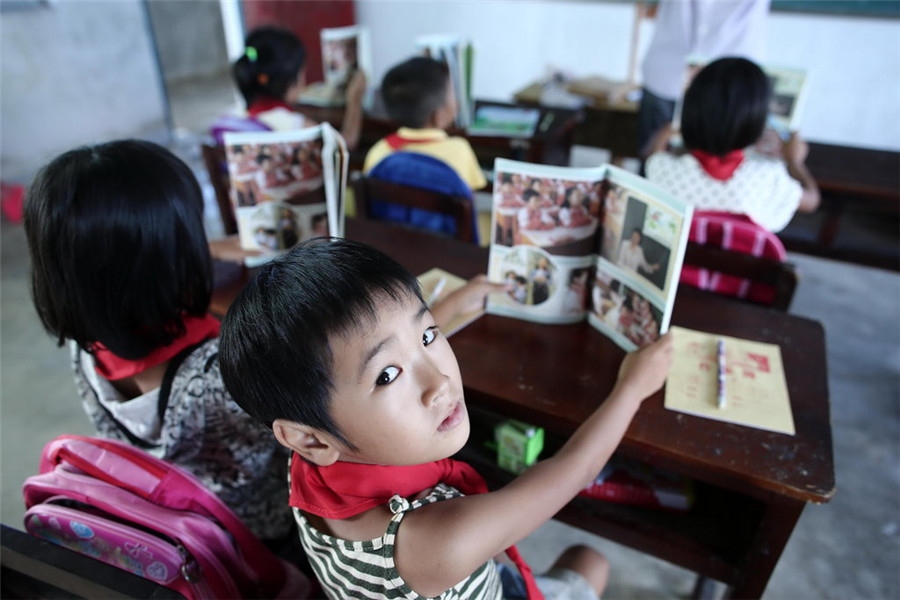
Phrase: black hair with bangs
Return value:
(274, 348)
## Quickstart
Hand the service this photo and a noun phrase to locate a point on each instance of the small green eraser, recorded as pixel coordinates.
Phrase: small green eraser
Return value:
(518, 445)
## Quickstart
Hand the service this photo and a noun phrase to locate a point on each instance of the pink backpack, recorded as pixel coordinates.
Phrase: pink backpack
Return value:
(118, 504)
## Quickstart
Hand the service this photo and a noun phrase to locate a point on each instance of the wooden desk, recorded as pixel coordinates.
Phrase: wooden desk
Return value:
(551, 146)
(752, 485)
(853, 182)
(609, 126)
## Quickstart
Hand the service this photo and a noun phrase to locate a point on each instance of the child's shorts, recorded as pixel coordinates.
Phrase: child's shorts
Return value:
(555, 584)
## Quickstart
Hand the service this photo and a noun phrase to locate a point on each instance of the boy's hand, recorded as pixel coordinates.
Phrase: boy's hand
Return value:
(228, 249)
(644, 371)
(471, 297)
(467, 299)
(356, 87)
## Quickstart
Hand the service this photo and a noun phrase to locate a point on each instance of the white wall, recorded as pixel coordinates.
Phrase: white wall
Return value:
(74, 73)
(854, 63)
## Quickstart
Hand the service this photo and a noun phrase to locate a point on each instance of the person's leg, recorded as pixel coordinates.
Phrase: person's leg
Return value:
(588, 563)
(653, 113)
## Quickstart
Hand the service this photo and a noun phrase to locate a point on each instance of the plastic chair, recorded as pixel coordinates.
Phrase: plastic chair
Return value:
(731, 255)
(447, 208)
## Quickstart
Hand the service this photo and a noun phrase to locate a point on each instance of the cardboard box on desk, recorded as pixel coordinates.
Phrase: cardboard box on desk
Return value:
(602, 91)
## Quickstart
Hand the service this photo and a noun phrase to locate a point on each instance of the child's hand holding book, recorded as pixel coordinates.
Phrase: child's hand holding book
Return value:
(643, 372)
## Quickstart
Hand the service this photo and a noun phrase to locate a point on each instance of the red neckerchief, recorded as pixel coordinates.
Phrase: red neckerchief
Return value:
(345, 489)
(719, 167)
(114, 368)
(262, 105)
(396, 141)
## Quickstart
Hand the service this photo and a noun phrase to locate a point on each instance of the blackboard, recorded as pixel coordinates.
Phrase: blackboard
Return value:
(857, 8)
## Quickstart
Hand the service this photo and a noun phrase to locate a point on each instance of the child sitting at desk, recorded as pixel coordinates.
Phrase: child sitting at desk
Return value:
(271, 74)
(418, 95)
(724, 113)
(333, 347)
(121, 269)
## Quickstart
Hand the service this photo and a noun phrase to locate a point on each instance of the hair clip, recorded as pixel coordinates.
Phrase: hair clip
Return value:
(250, 53)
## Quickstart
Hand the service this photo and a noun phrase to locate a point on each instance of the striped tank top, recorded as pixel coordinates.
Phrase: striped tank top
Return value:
(349, 569)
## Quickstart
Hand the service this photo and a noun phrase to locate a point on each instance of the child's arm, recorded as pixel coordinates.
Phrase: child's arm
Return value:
(794, 152)
(444, 542)
(660, 141)
(466, 299)
(353, 114)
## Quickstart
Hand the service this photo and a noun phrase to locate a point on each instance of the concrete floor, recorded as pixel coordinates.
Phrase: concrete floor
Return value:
(846, 549)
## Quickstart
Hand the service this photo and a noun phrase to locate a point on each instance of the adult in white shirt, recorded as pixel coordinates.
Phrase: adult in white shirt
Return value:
(704, 28)
(724, 112)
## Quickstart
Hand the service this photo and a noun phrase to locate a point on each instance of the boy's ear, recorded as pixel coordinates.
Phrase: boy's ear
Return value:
(308, 442)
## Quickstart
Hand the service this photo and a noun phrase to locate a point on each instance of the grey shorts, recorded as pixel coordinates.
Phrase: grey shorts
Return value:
(555, 584)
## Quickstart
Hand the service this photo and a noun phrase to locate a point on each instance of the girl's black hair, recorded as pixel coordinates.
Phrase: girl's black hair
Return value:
(117, 246)
(272, 61)
(725, 107)
(274, 349)
(413, 90)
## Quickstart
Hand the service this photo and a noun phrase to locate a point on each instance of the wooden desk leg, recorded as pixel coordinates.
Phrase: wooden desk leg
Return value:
(774, 531)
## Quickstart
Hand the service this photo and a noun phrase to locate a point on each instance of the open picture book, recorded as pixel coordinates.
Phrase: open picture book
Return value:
(600, 244)
(286, 187)
(344, 51)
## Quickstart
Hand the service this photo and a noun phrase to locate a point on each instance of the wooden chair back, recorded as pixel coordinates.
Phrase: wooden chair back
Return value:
(217, 167)
(459, 208)
(780, 276)
(733, 256)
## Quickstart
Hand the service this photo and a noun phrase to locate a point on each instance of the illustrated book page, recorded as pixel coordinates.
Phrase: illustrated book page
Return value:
(286, 187)
(755, 390)
(600, 244)
(504, 121)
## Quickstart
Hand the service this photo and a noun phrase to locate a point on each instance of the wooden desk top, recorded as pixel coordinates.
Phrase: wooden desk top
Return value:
(556, 375)
(860, 171)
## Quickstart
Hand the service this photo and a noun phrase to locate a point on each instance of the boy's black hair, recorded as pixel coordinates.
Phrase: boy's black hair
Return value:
(274, 348)
(725, 107)
(117, 246)
(414, 89)
(270, 64)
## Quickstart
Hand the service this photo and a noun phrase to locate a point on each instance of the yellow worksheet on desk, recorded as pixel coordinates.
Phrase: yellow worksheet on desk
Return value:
(755, 391)
(436, 285)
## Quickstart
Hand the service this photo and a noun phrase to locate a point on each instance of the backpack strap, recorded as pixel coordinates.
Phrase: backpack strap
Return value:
(162, 402)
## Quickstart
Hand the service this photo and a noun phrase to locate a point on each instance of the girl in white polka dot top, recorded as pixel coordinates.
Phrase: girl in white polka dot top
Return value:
(723, 114)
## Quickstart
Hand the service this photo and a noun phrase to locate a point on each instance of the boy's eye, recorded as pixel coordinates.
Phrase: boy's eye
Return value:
(429, 335)
(387, 376)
